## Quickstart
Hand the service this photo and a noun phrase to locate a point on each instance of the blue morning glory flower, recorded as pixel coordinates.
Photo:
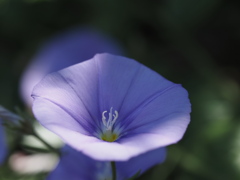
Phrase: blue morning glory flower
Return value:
(61, 51)
(65, 49)
(74, 165)
(112, 108)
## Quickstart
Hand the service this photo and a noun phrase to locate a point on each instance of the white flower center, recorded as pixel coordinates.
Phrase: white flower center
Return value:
(108, 134)
(111, 119)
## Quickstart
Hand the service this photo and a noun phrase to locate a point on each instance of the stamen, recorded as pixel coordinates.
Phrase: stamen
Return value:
(104, 118)
(111, 118)
(115, 117)
(108, 133)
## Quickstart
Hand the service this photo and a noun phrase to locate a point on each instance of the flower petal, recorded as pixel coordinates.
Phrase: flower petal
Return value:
(72, 92)
(140, 163)
(75, 165)
(153, 112)
(48, 111)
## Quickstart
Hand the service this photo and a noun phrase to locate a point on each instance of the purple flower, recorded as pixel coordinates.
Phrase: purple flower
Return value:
(63, 50)
(75, 165)
(112, 108)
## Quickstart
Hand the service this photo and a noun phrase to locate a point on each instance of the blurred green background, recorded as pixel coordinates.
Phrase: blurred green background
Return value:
(194, 43)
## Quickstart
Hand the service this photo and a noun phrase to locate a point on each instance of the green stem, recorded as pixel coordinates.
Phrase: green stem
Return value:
(46, 144)
(114, 173)
(35, 149)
